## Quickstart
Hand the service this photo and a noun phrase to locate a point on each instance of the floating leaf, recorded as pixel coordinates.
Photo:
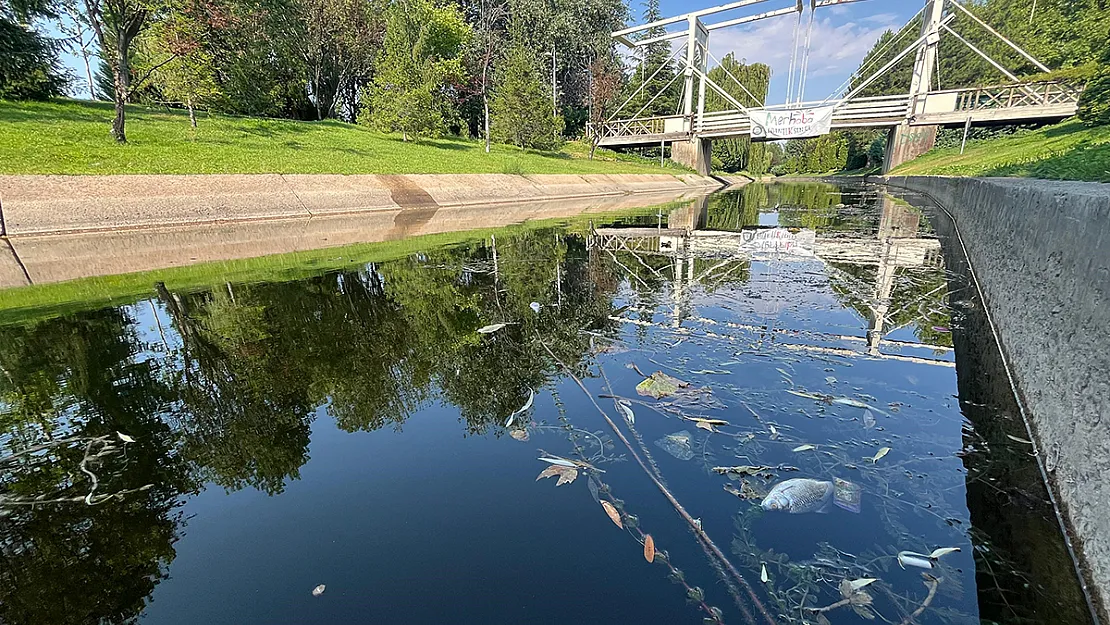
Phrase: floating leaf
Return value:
(882, 452)
(613, 514)
(594, 490)
(763, 574)
(705, 425)
(520, 435)
(742, 470)
(649, 548)
(774, 432)
(627, 413)
(566, 474)
(943, 551)
(846, 588)
(1013, 438)
(806, 447)
(125, 438)
(830, 380)
(660, 385)
(491, 328)
(822, 619)
(567, 477)
(709, 421)
(319, 590)
(860, 597)
(909, 558)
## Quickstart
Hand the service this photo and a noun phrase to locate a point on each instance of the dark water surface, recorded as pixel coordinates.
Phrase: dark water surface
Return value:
(350, 430)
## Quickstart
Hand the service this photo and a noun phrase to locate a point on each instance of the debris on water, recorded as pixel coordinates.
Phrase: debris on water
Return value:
(943, 551)
(942, 329)
(535, 306)
(523, 409)
(520, 435)
(614, 516)
(879, 454)
(806, 447)
(846, 495)
(809, 395)
(125, 438)
(747, 492)
(1019, 440)
(319, 590)
(741, 470)
(649, 548)
(830, 380)
(660, 385)
(562, 462)
(868, 420)
(909, 558)
(774, 432)
(566, 474)
(763, 574)
(626, 412)
(491, 328)
(679, 445)
(595, 492)
(800, 495)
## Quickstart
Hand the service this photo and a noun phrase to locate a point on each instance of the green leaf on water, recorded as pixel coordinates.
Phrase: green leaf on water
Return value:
(878, 455)
(660, 385)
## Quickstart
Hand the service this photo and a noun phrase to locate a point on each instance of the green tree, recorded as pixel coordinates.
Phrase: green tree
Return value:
(653, 87)
(748, 85)
(29, 67)
(419, 63)
(521, 110)
(189, 78)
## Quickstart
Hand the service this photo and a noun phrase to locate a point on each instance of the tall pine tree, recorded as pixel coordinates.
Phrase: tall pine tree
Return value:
(520, 112)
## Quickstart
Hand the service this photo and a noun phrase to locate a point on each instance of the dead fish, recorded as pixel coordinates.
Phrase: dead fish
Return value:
(800, 495)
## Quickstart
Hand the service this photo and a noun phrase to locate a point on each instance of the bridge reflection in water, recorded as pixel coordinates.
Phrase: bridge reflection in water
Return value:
(700, 255)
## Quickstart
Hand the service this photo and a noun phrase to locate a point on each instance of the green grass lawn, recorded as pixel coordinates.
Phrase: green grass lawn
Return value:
(71, 137)
(1066, 151)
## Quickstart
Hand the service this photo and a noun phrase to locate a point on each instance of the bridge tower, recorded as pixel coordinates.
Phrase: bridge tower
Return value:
(695, 153)
(905, 142)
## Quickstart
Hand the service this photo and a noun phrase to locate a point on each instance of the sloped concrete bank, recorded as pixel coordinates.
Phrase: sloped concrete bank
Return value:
(35, 205)
(1040, 251)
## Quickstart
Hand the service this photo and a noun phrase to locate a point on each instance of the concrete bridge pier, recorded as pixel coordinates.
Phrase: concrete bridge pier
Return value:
(697, 154)
(905, 143)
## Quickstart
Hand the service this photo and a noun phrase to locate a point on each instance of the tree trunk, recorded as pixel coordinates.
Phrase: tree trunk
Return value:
(485, 110)
(88, 69)
(122, 71)
(192, 112)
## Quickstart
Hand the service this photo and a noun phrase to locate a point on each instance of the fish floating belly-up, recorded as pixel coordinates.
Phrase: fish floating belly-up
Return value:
(800, 495)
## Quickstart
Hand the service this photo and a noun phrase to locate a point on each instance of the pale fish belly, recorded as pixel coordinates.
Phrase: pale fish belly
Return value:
(801, 495)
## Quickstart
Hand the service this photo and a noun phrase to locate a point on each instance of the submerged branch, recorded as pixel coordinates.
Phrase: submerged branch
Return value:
(702, 536)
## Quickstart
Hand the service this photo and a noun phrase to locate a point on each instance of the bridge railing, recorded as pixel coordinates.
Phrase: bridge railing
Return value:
(1048, 93)
(639, 126)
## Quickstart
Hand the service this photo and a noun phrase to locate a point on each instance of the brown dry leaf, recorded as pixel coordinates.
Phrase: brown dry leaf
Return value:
(649, 548)
(705, 425)
(520, 435)
(613, 514)
(568, 476)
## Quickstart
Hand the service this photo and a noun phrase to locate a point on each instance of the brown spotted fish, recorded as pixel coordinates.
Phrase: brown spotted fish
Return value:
(800, 495)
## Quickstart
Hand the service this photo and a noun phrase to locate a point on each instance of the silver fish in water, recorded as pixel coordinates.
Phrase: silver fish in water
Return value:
(800, 495)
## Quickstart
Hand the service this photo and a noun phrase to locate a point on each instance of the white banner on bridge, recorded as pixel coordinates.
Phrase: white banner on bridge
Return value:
(791, 124)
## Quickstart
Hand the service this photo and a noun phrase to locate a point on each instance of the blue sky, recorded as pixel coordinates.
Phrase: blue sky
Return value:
(841, 36)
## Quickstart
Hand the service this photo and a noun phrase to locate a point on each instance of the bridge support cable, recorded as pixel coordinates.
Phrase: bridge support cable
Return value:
(656, 96)
(805, 54)
(735, 80)
(793, 57)
(874, 58)
(644, 83)
(988, 59)
(885, 68)
(1017, 48)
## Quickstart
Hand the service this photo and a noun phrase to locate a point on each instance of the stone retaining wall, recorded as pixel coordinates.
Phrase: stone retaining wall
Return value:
(55, 204)
(1041, 253)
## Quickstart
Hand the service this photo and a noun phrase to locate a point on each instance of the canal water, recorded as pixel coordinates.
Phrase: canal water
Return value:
(491, 431)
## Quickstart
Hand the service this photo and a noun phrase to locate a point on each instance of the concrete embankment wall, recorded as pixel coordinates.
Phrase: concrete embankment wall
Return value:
(1041, 254)
(55, 204)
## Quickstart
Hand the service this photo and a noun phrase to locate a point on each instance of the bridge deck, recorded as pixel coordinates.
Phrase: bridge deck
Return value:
(981, 105)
